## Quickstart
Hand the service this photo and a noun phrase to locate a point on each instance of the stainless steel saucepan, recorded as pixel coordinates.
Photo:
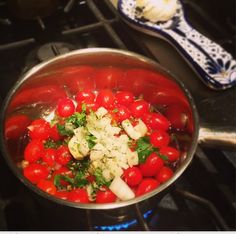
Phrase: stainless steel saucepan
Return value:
(37, 92)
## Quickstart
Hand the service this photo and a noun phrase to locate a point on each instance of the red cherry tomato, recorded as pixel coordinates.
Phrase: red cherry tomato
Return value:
(105, 195)
(85, 97)
(107, 77)
(63, 155)
(36, 172)
(151, 166)
(93, 106)
(63, 171)
(33, 151)
(146, 186)
(16, 125)
(62, 194)
(121, 112)
(39, 129)
(177, 116)
(124, 98)
(164, 174)
(156, 121)
(159, 138)
(65, 107)
(139, 108)
(105, 98)
(132, 176)
(91, 178)
(54, 134)
(47, 186)
(49, 156)
(172, 153)
(78, 195)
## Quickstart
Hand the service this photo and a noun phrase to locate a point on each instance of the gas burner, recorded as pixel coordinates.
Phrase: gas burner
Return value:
(45, 52)
(53, 49)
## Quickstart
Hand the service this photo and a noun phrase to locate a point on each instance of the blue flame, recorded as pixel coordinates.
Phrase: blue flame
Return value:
(122, 226)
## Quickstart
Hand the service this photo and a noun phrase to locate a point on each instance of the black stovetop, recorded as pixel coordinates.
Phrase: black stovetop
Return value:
(204, 197)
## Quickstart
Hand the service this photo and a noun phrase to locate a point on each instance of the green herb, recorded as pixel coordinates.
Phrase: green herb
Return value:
(58, 178)
(77, 119)
(63, 131)
(82, 165)
(80, 180)
(100, 180)
(91, 141)
(52, 144)
(144, 148)
(115, 110)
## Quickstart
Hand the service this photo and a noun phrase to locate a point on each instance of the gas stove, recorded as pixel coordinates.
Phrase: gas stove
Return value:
(204, 197)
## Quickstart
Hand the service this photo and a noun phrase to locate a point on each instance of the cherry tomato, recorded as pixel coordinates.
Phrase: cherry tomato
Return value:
(164, 174)
(146, 186)
(85, 97)
(107, 77)
(105, 98)
(62, 194)
(132, 176)
(39, 129)
(172, 153)
(105, 195)
(33, 151)
(16, 125)
(47, 186)
(159, 138)
(49, 156)
(78, 195)
(177, 116)
(54, 134)
(36, 172)
(151, 166)
(138, 108)
(121, 112)
(91, 178)
(63, 155)
(93, 106)
(124, 98)
(156, 121)
(65, 107)
(63, 171)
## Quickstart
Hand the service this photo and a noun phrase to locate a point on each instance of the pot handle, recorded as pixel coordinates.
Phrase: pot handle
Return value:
(218, 137)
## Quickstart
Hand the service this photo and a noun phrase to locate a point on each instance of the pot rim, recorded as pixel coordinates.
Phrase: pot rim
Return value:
(105, 206)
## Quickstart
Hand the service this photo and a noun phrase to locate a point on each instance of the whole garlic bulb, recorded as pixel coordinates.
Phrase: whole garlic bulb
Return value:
(157, 10)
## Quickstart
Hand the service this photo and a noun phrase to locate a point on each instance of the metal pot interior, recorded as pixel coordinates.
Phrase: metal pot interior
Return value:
(37, 92)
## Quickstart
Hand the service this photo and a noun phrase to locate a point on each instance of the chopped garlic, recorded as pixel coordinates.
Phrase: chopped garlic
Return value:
(129, 129)
(141, 128)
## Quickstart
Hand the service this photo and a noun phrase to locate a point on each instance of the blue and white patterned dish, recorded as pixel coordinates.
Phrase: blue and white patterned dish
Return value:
(215, 66)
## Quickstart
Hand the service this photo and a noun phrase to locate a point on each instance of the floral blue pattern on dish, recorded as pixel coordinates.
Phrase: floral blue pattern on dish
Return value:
(215, 66)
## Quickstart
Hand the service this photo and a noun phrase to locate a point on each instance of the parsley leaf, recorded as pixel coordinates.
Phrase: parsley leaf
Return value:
(100, 180)
(77, 119)
(82, 165)
(80, 180)
(63, 131)
(91, 141)
(144, 148)
(52, 144)
(58, 178)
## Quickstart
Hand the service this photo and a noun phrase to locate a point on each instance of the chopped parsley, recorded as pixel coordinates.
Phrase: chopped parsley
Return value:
(52, 144)
(144, 148)
(91, 140)
(100, 180)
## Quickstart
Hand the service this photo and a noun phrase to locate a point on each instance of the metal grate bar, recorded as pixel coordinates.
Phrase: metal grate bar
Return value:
(106, 25)
(17, 44)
